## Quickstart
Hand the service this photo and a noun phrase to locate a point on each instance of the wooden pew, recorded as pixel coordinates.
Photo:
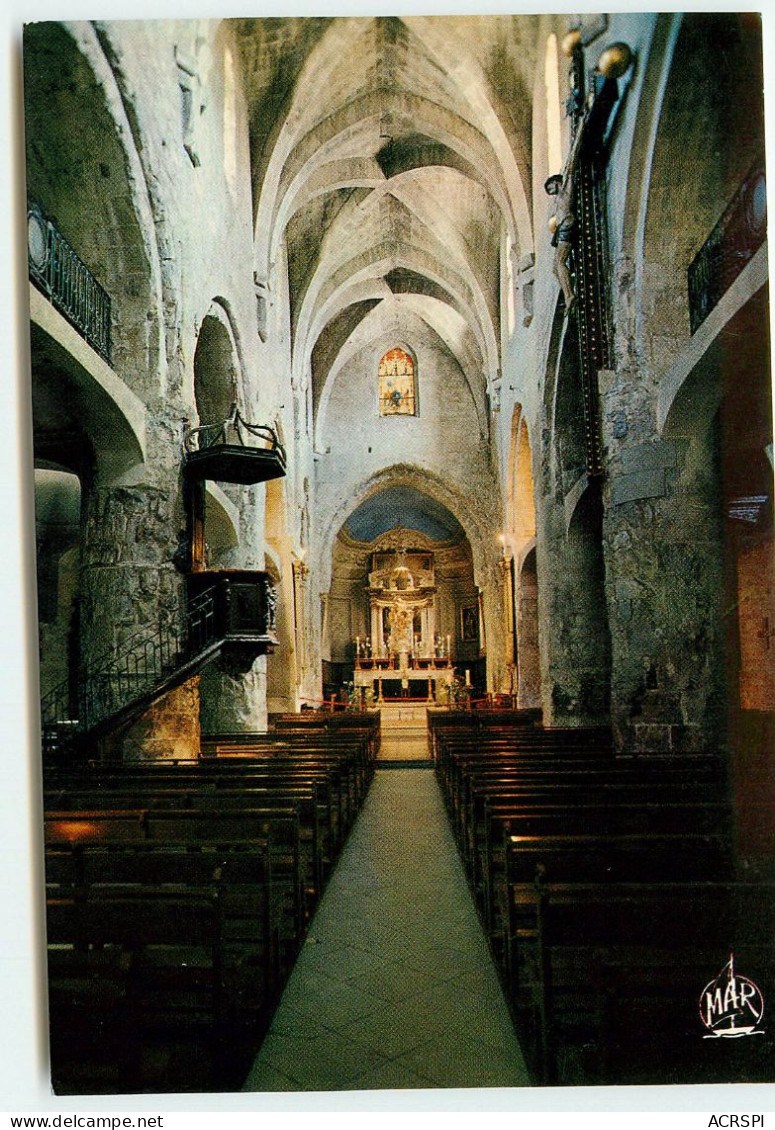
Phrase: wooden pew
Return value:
(276, 832)
(614, 973)
(166, 978)
(505, 816)
(249, 832)
(317, 830)
(603, 859)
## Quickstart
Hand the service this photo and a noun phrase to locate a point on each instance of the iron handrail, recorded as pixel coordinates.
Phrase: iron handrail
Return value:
(113, 681)
(233, 430)
(733, 242)
(58, 271)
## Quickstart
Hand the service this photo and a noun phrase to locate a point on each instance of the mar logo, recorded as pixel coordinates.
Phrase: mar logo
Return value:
(731, 1006)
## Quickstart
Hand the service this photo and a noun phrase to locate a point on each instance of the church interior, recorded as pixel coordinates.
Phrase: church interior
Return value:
(402, 424)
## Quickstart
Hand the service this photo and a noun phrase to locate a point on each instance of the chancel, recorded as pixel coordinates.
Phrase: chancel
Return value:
(402, 425)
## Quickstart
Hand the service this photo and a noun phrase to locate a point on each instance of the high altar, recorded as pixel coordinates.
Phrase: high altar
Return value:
(403, 645)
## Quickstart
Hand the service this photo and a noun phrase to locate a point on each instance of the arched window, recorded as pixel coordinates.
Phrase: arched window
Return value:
(229, 121)
(397, 392)
(553, 120)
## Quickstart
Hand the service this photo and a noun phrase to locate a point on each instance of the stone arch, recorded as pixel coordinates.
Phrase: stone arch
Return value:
(394, 520)
(523, 575)
(720, 419)
(330, 290)
(281, 685)
(85, 174)
(510, 160)
(377, 263)
(575, 644)
(568, 451)
(520, 506)
(217, 369)
(552, 106)
(703, 149)
(655, 63)
(463, 508)
(382, 322)
(556, 347)
(318, 70)
(525, 581)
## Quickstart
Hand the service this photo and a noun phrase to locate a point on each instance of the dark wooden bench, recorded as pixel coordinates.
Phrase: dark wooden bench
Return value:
(146, 963)
(276, 832)
(318, 830)
(613, 974)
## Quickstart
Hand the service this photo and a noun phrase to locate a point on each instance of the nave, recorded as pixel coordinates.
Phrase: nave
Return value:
(402, 359)
(292, 902)
(394, 986)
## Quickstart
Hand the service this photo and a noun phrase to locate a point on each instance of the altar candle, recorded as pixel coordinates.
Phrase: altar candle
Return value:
(468, 677)
(357, 645)
(448, 651)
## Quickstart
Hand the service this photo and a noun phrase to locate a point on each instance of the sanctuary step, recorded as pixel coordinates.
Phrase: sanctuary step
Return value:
(404, 732)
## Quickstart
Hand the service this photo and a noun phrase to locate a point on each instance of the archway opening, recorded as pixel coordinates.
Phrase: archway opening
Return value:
(58, 542)
(79, 174)
(216, 369)
(403, 615)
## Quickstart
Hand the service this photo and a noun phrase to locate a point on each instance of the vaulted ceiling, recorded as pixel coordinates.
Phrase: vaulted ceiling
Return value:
(389, 157)
(402, 508)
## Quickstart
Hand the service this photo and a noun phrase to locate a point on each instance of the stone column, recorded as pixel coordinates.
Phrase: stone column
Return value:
(663, 544)
(300, 575)
(573, 630)
(528, 660)
(494, 640)
(128, 583)
(232, 699)
(507, 596)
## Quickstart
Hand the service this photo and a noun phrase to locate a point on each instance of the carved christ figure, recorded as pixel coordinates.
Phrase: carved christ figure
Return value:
(563, 186)
(400, 628)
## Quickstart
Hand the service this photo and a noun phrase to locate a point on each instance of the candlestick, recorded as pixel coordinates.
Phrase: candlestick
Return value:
(468, 677)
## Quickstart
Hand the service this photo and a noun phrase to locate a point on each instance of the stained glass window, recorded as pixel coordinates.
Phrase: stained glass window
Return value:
(396, 384)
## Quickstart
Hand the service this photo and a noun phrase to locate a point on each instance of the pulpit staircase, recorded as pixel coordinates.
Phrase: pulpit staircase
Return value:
(228, 614)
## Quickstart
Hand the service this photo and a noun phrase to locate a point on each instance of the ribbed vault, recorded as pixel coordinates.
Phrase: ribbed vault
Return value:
(389, 178)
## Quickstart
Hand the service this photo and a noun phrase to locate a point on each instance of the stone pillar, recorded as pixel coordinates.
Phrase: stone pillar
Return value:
(128, 582)
(233, 701)
(300, 574)
(494, 639)
(507, 597)
(663, 544)
(574, 641)
(528, 660)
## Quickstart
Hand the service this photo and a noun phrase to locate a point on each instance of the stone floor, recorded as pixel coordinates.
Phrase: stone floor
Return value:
(394, 987)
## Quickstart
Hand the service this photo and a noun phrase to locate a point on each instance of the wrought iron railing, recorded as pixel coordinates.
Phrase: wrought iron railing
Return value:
(67, 282)
(233, 451)
(114, 681)
(730, 246)
(233, 430)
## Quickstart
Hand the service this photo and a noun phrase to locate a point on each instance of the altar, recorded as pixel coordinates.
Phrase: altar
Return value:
(418, 678)
(403, 657)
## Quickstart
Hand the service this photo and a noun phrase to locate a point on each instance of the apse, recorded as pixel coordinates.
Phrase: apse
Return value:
(402, 507)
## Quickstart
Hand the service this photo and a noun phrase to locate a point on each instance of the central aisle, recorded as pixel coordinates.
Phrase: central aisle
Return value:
(394, 986)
